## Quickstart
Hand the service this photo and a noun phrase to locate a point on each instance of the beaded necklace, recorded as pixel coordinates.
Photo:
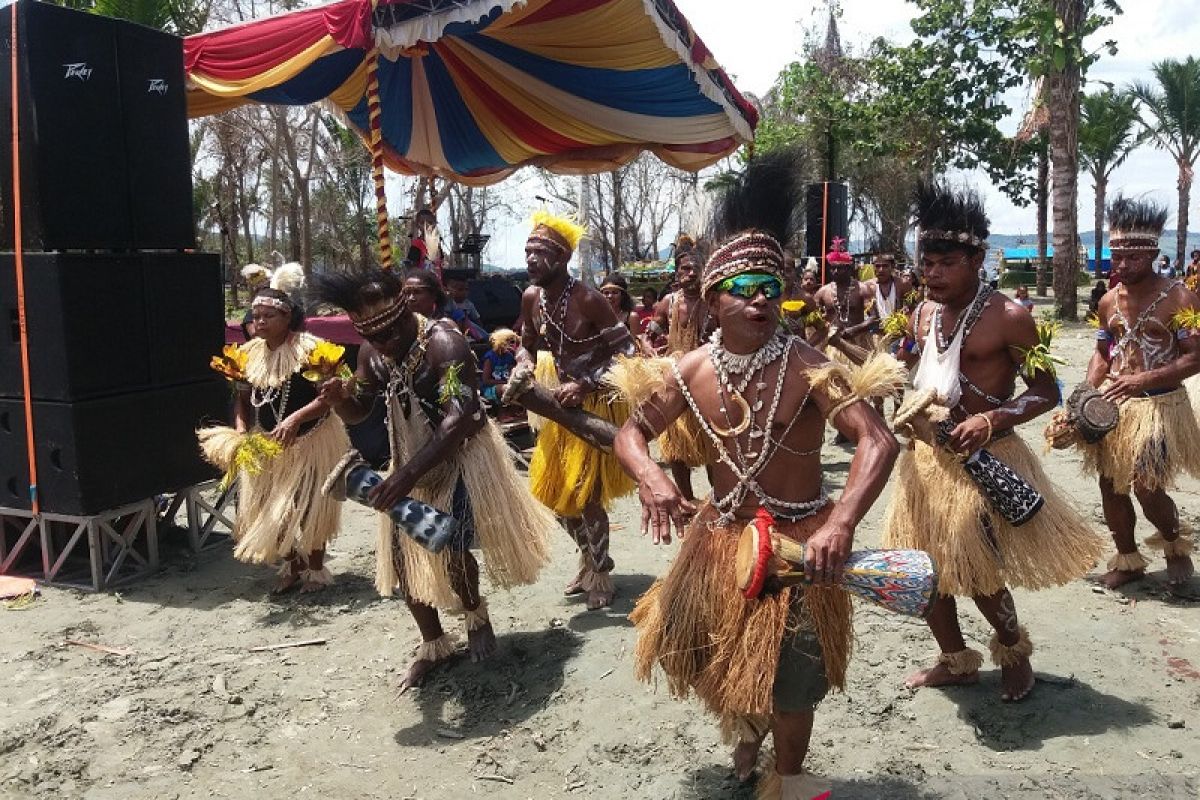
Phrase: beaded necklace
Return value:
(560, 323)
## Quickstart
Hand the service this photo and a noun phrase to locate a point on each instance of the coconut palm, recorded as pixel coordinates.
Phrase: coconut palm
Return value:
(1174, 126)
(1109, 131)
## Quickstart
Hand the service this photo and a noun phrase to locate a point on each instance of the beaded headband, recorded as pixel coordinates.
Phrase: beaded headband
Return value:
(958, 237)
(752, 250)
(271, 302)
(549, 240)
(1133, 240)
(369, 326)
(612, 286)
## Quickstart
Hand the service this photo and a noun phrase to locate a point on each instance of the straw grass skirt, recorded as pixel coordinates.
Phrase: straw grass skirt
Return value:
(936, 507)
(281, 510)
(684, 442)
(708, 639)
(1156, 439)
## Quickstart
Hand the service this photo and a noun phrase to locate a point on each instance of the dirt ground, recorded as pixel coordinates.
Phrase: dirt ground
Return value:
(192, 713)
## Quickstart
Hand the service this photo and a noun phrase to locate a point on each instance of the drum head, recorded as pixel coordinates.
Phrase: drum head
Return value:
(1098, 414)
(753, 559)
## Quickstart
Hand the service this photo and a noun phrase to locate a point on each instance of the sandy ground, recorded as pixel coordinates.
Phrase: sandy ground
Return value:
(191, 713)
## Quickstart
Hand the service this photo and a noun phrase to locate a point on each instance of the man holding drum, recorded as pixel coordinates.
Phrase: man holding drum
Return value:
(761, 398)
(970, 345)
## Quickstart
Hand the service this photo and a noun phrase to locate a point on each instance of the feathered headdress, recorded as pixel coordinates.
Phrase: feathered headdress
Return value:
(1135, 224)
(756, 217)
(950, 218)
(256, 274)
(376, 290)
(838, 254)
(566, 231)
(288, 278)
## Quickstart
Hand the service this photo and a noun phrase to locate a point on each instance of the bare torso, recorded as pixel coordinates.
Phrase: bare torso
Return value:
(1140, 327)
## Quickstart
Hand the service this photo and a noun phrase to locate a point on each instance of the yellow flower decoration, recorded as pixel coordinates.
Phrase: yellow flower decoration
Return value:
(815, 319)
(1192, 282)
(912, 298)
(253, 455)
(1187, 319)
(895, 324)
(793, 306)
(1093, 319)
(1039, 358)
(570, 230)
(231, 363)
(325, 361)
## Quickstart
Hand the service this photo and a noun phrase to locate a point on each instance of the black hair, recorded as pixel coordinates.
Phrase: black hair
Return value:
(1127, 214)
(430, 281)
(355, 291)
(617, 279)
(768, 195)
(296, 311)
(938, 206)
(649, 290)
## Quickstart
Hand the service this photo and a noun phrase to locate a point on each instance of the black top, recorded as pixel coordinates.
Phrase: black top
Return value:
(301, 392)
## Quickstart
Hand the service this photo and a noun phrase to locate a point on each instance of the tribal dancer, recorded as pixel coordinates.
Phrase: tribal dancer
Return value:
(762, 399)
(281, 513)
(445, 452)
(1146, 346)
(970, 344)
(580, 335)
(683, 316)
(847, 304)
(888, 288)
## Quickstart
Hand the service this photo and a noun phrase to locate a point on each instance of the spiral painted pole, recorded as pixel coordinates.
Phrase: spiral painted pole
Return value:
(376, 130)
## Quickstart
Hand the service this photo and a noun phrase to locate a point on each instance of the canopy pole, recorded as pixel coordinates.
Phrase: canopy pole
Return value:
(376, 127)
(19, 260)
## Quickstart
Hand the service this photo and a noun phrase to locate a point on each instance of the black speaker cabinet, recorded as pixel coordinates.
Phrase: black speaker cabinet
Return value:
(97, 455)
(103, 324)
(826, 217)
(104, 151)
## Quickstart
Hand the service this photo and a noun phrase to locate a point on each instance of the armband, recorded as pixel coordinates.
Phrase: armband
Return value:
(1103, 336)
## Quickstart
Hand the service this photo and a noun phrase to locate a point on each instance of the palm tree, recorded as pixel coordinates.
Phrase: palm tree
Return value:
(1064, 80)
(1174, 105)
(1109, 131)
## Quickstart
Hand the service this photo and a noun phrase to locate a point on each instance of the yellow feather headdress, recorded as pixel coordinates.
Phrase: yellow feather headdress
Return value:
(567, 228)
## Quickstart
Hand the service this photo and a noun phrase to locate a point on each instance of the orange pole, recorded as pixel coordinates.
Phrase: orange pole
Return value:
(824, 230)
(19, 259)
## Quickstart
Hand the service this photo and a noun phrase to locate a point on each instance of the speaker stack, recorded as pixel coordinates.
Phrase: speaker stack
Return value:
(121, 319)
(827, 217)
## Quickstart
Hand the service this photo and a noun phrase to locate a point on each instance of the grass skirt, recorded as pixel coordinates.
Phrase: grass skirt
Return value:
(936, 507)
(511, 528)
(565, 472)
(1155, 440)
(684, 442)
(709, 639)
(281, 510)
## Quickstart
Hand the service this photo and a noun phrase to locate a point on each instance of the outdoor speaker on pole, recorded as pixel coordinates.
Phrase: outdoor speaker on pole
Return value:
(827, 217)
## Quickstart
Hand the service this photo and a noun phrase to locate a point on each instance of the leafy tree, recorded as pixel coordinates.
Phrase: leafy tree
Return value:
(1174, 126)
(1109, 131)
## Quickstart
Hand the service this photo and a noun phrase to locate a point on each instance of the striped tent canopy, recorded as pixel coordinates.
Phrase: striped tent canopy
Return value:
(473, 89)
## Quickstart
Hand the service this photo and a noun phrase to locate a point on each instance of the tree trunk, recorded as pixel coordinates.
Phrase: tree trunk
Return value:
(1101, 192)
(1043, 214)
(1064, 158)
(1181, 229)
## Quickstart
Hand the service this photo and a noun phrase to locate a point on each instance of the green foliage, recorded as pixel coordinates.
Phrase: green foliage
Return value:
(181, 17)
(1174, 106)
(1110, 129)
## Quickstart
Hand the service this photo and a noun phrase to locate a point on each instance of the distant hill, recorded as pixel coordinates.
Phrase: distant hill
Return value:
(1166, 244)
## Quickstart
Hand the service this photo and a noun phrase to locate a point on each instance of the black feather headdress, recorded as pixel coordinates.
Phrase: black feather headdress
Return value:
(360, 291)
(1135, 224)
(949, 218)
(756, 216)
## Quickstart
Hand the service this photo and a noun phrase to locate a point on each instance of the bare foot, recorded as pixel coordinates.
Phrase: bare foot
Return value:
(1115, 578)
(575, 587)
(1179, 569)
(745, 759)
(308, 587)
(1017, 681)
(417, 672)
(939, 675)
(286, 582)
(599, 598)
(481, 642)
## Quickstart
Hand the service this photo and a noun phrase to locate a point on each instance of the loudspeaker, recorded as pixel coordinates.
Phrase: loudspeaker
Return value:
(105, 159)
(157, 146)
(103, 324)
(97, 455)
(827, 217)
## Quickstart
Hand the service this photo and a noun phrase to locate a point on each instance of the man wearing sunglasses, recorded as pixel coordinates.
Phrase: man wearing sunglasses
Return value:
(445, 452)
(762, 399)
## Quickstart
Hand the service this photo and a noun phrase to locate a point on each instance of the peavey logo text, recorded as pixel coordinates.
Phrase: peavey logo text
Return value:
(79, 70)
(156, 86)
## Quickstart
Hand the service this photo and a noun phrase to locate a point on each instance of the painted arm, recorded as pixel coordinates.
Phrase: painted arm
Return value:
(662, 504)
(449, 356)
(1101, 362)
(588, 370)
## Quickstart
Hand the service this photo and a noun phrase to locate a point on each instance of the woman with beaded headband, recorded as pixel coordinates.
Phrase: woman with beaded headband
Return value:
(281, 513)
(570, 336)
(970, 344)
(1146, 346)
(444, 452)
(762, 399)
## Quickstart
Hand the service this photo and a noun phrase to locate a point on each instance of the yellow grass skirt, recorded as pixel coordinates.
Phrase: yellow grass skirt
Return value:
(936, 507)
(708, 639)
(566, 473)
(281, 511)
(1155, 440)
(684, 442)
(511, 528)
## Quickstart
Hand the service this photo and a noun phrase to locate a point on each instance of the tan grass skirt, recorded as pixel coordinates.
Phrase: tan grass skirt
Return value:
(1156, 439)
(936, 507)
(708, 639)
(684, 442)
